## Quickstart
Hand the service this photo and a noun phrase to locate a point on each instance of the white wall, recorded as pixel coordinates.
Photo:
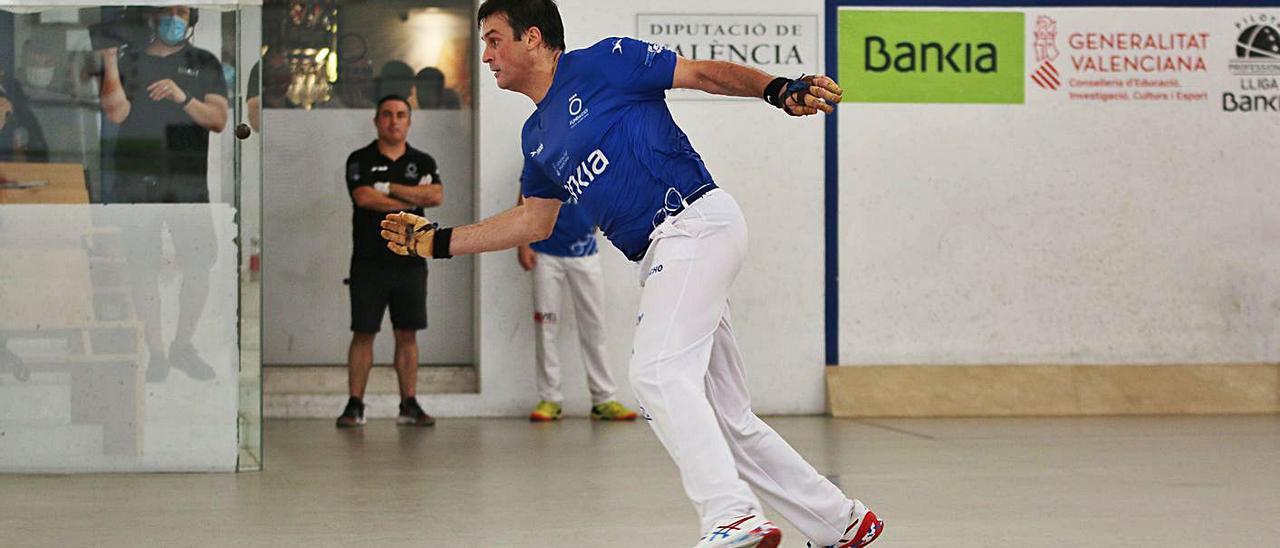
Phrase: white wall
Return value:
(1064, 231)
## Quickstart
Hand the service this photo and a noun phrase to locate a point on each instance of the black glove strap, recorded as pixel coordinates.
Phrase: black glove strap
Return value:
(773, 91)
(440, 243)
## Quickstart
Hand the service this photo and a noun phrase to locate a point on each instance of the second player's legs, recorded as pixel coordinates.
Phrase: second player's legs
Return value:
(586, 284)
(548, 292)
(777, 472)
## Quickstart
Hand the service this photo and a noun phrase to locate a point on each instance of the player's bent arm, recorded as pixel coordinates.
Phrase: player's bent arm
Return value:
(532, 221)
(801, 97)
(368, 198)
(428, 195)
(719, 77)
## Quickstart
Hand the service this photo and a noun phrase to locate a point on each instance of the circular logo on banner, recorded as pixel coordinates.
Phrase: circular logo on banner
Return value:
(1259, 41)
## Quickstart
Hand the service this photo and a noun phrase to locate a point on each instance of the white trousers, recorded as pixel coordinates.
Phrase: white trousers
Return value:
(582, 279)
(688, 375)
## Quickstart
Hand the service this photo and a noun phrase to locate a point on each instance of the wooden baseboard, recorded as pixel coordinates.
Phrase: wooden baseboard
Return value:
(1052, 390)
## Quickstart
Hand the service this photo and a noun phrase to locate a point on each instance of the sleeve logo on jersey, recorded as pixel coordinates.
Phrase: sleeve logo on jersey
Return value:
(536, 151)
(353, 171)
(586, 173)
(654, 50)
(617, 46)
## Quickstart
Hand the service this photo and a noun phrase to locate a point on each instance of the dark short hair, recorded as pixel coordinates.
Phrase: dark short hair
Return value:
(526, 14)
(392, 97)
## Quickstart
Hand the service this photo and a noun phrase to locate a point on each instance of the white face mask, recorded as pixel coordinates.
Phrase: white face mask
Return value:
(40, 77)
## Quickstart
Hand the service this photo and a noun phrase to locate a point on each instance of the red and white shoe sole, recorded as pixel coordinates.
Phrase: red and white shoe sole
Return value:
(872, 525)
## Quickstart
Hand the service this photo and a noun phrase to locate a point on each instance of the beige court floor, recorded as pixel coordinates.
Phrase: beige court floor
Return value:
(1160, 482)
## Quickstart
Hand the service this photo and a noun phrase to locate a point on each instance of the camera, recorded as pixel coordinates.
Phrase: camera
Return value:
(131, 27)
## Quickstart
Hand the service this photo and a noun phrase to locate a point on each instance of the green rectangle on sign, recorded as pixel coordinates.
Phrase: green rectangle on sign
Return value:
(908, 56)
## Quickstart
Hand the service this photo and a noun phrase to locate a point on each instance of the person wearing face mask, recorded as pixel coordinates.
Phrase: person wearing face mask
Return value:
(166, 95)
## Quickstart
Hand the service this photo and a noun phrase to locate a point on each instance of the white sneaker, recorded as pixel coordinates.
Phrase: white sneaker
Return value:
(863, 528)
(742, 532)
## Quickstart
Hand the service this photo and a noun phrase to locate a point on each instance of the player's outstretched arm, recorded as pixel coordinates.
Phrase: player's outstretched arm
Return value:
(801, 97)
(531, 221)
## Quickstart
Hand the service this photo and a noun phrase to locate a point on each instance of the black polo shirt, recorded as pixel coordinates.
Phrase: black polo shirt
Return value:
(159, 138)
(367, 166)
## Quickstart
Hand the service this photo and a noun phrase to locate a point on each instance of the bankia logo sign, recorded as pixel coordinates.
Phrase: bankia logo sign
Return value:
(913, 56)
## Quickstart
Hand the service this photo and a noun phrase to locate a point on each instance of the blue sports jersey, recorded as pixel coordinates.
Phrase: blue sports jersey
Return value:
(604, 138)
(574, 235)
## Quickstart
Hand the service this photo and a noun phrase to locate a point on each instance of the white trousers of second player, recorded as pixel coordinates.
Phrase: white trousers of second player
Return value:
(688, 375)
(583, 280)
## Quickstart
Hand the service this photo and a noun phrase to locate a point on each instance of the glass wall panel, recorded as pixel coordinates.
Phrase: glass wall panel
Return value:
(120, 234)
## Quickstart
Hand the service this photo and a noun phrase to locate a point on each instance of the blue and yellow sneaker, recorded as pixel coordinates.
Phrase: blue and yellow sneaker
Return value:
(546, 411)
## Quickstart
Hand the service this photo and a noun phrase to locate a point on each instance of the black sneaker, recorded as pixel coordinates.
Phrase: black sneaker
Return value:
(411, 414)
(353, 415)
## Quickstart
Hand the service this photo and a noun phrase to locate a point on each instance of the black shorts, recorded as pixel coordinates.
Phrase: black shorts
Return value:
(376, 285)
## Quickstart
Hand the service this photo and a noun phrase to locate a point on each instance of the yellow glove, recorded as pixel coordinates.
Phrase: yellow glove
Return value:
(408, 234)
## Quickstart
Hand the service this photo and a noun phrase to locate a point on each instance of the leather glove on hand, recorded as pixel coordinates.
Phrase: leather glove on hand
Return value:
(408, 234)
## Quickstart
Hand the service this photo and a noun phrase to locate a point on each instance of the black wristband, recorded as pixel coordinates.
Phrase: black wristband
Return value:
(773, 91)
(188, 100)
(440, 243)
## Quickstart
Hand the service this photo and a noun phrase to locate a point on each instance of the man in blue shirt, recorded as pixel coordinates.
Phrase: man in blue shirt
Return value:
(602, 136)
(568, 262)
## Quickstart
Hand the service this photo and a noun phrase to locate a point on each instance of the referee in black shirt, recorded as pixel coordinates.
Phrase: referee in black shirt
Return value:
(386, 176)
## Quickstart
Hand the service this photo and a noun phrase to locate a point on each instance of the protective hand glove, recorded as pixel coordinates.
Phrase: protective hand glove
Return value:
(805, 96)
(409, 234)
